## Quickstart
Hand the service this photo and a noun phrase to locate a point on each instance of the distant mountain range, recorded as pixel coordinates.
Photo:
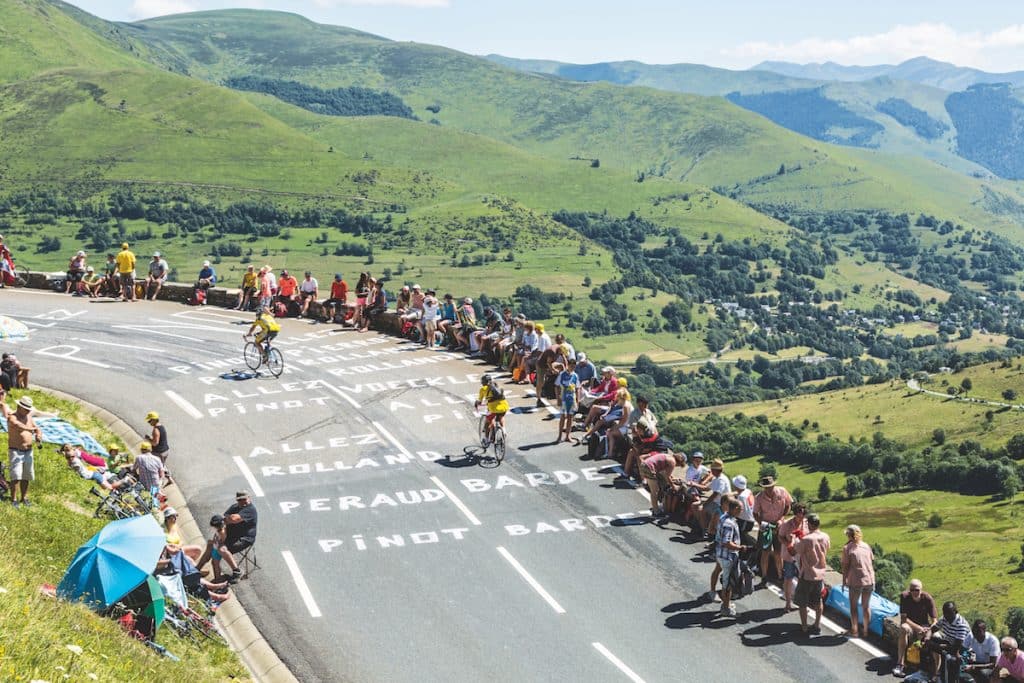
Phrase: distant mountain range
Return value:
(921, 70)
(968, 120)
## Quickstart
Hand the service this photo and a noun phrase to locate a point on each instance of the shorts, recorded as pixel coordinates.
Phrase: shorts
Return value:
(22, 465)
(305, 295)
(776, 545)
(726, 566)
(360, 301)
(713, 508)
(163, 455)
(268, 336)
(856, 592)
(568, 403)
(808, 592)
(790, 571)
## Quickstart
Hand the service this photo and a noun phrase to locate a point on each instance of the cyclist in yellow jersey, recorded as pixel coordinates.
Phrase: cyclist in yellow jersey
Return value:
(497, 406)
(268, 329)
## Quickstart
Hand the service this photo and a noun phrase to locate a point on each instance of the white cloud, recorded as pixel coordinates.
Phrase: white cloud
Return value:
(145, 9)
(999, 50)
(428, 4)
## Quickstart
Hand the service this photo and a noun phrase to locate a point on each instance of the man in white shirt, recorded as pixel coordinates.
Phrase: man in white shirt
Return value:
(985, 647)
(309, 290)
(719, 487)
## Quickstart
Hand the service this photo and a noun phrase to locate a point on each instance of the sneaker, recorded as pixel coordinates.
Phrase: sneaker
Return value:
(731, 612)
(898, 672)
(16, 504)
(235, 577)
(658, 511)
(711, 596)
(26, 503)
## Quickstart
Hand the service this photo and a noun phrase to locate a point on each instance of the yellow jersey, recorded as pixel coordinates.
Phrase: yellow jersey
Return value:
(497, 405)
(266, 323)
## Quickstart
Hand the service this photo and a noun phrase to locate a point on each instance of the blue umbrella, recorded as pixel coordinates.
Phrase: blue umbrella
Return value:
(113, 562)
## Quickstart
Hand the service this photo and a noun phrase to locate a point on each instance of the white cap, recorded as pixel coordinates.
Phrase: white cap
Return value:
(739, 481)
(581, 356)
(81, 253)
(206, 263)
(90, 269)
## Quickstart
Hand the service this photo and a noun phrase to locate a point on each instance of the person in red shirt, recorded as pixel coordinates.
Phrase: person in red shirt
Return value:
(657, 469)
(338, 299)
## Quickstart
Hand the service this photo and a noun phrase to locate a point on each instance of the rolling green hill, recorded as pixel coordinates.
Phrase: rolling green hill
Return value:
(642, 131)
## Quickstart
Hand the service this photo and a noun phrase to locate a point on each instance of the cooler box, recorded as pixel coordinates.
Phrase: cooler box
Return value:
(881, 608)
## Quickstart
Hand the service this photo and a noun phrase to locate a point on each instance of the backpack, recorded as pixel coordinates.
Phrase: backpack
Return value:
(198, 298)
(280, 309)
(741, 581)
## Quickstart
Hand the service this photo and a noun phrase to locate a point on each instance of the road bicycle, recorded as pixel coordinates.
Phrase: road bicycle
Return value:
(492, 435)
(267, 356)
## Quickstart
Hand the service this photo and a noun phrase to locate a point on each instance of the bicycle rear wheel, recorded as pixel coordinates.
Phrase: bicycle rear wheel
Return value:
(275, 362)
(499, 443)
(482, 433)
(253, 356)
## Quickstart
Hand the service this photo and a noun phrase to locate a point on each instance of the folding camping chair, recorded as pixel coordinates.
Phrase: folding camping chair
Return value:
(247, 561)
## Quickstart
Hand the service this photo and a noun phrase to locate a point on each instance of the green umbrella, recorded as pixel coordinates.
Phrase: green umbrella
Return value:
(148, 598)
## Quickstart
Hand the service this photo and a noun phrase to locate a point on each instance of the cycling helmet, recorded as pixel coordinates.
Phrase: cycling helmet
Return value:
(486, 379)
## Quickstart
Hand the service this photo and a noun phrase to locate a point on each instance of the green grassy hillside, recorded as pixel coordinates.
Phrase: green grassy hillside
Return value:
(639, 130)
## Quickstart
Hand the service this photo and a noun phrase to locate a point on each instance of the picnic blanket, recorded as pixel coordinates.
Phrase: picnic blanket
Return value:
(56, 430)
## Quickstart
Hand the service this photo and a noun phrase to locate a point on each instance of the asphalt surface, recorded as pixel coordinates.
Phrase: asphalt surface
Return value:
(387, 552)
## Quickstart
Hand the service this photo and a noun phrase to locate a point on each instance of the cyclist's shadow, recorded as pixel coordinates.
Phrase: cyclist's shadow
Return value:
(243, 375)
(471, 456)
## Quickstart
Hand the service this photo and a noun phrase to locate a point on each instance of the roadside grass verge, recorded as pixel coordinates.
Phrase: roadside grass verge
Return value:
(36, 546)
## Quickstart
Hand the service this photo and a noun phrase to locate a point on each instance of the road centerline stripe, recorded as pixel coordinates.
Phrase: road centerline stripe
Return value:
(257, 490)
(182, 403)
(530, 580)
(630, 674)
(456, 501)
(300, 584)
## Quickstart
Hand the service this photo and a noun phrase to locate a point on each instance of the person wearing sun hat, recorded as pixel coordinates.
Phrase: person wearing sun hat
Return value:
(126, 272)
(158, 438)
(92, 282)
(158, 270)
(22, 432)
(148, 468)
(771, 505)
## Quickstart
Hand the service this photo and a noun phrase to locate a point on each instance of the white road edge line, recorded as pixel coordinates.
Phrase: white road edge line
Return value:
(180, 401)
(630, 674)
(833, 626)
(339, 392)
(257, 490)
(456, 501)
(300, 584)
(618, 469)
(530, 580)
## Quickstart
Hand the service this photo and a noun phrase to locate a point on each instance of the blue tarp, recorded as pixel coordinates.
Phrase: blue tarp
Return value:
(56, 430)
(881, 608)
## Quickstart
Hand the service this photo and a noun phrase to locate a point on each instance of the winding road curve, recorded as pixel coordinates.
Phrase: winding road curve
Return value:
(386, 553)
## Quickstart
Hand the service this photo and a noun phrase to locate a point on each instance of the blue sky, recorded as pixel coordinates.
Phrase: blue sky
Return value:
(987, 34)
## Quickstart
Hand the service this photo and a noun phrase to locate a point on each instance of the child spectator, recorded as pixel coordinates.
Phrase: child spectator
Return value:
(565, 386)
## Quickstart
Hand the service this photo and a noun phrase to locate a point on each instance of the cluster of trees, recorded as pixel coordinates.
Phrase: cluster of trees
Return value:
(910, 116)
(810, 112)
(182, 214)
(873, 466)
(350, 101)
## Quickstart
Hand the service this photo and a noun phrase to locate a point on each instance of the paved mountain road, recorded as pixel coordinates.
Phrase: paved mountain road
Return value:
(382, 558)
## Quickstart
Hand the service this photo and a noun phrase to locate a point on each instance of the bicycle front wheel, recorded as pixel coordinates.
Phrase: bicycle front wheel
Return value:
(253, 356)
(499, 443)
(275, 362)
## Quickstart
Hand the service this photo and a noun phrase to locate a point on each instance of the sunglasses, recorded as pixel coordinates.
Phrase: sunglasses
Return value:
(915, 590)
(1007, 649)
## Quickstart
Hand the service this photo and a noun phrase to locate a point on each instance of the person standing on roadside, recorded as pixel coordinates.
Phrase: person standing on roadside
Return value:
(727, 553)
(858, 568)
(148, 468)
(21, 432)
(158, 437)
(770, 506)
(812, 556)
(126, 272)
(789, 533)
